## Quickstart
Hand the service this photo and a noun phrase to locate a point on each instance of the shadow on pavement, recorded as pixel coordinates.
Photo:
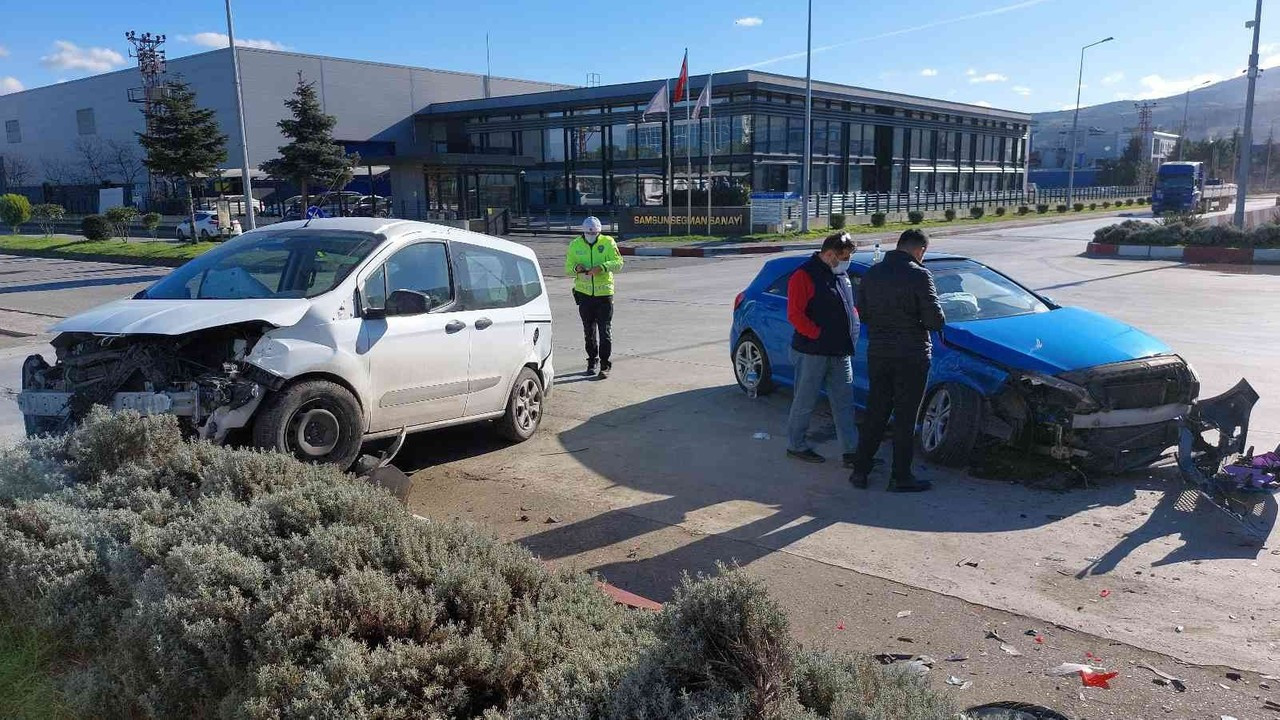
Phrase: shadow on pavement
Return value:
(75, 284)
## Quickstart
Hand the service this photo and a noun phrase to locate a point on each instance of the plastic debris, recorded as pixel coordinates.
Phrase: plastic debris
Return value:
(1227, 717)
(904, 614)
(967, 562)
(906, 639)
(840, 625)
(1235, 676)
(993, 635)
(1010, 650)
(891, 658)
(1071, 669)
(958, 657)
(1178, 628)
(1098, 680)
(1105, 593)
(1039, 640)
(1178, 683)
(962, 684)
(927, 660)
(762, 436)
(552, 520)
(917, 668)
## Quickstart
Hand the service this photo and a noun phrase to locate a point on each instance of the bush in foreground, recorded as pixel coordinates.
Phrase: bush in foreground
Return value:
(47, 215)
(194, 581)
(878, 219)
(14, 210)
(976, 212)
(915, 217)
(1078, 207)
(151, 221)
(95, 228)
(836, 221)
(949, 214)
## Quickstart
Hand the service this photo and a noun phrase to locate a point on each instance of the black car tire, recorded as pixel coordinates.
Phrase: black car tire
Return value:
(316, 421)
(750, 346)
(950, 420)
(525, 408)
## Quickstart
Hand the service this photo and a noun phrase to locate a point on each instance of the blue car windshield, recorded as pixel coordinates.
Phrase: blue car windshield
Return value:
(969, 291)
(297, 263)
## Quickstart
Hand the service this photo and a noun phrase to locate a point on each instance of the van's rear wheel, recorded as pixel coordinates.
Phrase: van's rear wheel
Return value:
(316, 421)
(525, 407)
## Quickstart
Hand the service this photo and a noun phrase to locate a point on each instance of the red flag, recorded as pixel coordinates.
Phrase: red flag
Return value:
(683, 82)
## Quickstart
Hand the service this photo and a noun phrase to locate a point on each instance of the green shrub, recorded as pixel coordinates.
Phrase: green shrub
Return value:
(1188, 218)
(1078, 207)
(1220, 236)
(120, 217)
(151, 221)
(949, 214)
(95, 228)
(878, 219)
(1042, 208)
(189, 580)
(1000, 211)
(1093, 206)
(1128, 201)
(14, 210)
(46, 216)
(915, 217)
(976, 212)
(1023, 210)
(1106, 203)
(836, 221)
(1061, 208)
(1143, 201)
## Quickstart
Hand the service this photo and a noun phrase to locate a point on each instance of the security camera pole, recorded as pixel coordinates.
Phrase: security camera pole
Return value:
(1246, 158)
(250, 220)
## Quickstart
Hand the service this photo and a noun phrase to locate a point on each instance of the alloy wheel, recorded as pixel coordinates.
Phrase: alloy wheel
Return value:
(528, 409)
(748, 358)
(937, 419)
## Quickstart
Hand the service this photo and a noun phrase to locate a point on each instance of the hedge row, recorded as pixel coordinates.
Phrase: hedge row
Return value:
(1134, 232)
(187, 580)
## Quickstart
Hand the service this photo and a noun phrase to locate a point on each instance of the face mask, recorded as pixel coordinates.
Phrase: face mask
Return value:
(591, 237)
(842, 267)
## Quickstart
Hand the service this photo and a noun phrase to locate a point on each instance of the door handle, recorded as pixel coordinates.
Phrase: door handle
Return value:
(455, 327)
(483, 323)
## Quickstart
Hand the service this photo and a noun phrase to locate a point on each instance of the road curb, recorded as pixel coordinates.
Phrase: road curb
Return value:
(85, 257)
(1186, 253)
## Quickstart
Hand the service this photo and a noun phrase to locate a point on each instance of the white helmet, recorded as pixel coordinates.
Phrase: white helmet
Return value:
(592, 225)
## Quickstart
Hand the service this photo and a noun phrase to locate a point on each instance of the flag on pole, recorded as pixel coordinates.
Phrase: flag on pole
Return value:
(704, 101)
(683, 83)
(658, 105)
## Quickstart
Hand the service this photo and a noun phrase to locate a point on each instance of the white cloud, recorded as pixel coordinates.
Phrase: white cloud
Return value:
(10, 84)
(1021, 90)
(1124, 96)
(983, 103)
(1113, 78)
(970, 72)
(988, 78)
(1156, 86)
(748, 22)
(69, 56)
(220, 40)
(1067, 108)
(928, 72)
(4, 51)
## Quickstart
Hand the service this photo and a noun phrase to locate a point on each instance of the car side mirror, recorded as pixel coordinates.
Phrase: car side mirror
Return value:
(407, 302)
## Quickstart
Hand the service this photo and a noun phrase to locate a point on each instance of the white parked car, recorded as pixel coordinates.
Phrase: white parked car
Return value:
(313, 338)
(206, 226)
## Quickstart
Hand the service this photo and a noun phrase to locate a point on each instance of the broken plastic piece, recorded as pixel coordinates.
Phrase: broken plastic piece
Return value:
(840, 625)
(1105, 593)
(1098, 680)
(1072, 669)
(1010, 650)
(904, 614)
(1178, 683)
(962, 684)
(762, 436)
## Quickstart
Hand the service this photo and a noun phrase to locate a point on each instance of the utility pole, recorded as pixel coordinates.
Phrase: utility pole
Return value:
(808, 126)
(1271, 141)
(1246, 158)
(151, 65)
(1075, 123)
(247, 184)
(1182, 142)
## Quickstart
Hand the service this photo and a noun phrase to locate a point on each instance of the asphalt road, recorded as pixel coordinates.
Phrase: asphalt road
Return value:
(669, 439)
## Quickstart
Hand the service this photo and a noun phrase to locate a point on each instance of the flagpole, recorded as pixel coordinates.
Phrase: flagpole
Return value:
(711, 149)
(688, 154)
(671, 180)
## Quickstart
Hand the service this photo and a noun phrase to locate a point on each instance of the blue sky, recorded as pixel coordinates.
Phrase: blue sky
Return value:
(1017, 54)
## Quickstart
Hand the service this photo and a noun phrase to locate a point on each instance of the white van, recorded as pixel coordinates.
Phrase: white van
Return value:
(311, 338)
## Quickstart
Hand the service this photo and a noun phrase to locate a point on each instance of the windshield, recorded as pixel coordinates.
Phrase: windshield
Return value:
(969, 291)
(298, 263)
(1176, 182)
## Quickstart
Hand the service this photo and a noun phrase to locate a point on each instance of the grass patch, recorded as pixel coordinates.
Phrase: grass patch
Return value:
(855, 230)
(72, 246)
(27, 688)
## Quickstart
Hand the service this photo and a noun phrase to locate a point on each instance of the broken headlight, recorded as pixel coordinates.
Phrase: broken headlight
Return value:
(1084, 401)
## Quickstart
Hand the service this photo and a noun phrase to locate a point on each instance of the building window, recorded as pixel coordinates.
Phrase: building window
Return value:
(553, 143)
(12, 131)
(531, 144)
(795, 136)
(622, 143)
(859, 142)
(85, 123)
(742, 131)
(649, 140)
(587, 142)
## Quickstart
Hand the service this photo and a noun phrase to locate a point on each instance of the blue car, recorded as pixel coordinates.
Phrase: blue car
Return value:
(1009, 368)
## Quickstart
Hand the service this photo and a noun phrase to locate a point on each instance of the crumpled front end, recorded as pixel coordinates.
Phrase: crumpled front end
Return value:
(200, 377)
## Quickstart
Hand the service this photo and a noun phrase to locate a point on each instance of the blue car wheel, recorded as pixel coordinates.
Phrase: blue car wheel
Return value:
(949, 424)
(749, 357)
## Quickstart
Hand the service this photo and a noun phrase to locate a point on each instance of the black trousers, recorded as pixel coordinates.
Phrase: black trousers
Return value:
(597, 326)
(896, 387)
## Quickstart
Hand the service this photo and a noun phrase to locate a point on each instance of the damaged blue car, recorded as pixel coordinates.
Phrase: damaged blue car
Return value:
(1009, 368)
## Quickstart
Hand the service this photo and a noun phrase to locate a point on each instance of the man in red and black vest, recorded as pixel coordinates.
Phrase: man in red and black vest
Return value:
(820, 306)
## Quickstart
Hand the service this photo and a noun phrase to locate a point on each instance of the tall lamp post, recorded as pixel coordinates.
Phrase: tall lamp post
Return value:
(1075, 123)
(808, 126)
(1182, 141)
(250, 218)
(1246, 158)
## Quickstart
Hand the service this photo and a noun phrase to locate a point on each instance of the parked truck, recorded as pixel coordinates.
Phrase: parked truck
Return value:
(1184, 187)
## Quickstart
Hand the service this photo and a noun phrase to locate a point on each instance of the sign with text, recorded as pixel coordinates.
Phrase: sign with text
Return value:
(652, 220)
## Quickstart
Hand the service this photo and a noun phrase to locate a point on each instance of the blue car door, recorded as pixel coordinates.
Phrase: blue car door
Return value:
(775, 329)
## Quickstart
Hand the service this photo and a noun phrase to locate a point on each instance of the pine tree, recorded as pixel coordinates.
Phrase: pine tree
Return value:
(184, 141)
(311, 157)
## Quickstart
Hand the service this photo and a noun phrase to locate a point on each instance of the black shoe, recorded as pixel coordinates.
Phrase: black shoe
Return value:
(808, 456)
(910, 485)
(592, 367)
(603, 374)
(858, 480)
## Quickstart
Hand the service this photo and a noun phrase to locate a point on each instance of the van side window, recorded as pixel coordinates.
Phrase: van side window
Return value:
(422, 268)
(489, 279)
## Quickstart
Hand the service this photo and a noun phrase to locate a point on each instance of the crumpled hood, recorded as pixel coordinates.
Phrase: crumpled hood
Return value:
(179, 317)
(1054, 342)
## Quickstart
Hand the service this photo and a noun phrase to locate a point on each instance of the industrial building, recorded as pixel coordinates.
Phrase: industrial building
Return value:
(454, 144)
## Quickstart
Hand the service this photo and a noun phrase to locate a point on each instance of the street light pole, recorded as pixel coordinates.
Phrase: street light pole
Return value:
(1182, 141)
(1075, 123)
(808, 126)
(1246, 157)
(250, 217)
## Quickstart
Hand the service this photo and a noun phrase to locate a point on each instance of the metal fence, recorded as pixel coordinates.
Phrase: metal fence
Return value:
(869, 203)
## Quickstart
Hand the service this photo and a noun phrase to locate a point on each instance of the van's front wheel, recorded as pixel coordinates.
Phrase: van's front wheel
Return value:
(316, 421)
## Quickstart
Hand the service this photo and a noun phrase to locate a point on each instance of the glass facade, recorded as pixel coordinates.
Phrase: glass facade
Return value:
(606, 155)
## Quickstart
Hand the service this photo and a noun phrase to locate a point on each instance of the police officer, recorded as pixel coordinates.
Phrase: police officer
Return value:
(592, 260)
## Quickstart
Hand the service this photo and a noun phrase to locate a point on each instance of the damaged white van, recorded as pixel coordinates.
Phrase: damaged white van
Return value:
(311, 338)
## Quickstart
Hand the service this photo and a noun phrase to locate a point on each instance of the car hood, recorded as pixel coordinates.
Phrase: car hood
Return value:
(1054, 342)
(179, 317)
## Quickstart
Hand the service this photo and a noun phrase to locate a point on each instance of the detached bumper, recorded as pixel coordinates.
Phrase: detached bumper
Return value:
(51, 404)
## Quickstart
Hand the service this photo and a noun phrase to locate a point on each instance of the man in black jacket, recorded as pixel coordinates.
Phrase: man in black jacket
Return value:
(898, 304)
